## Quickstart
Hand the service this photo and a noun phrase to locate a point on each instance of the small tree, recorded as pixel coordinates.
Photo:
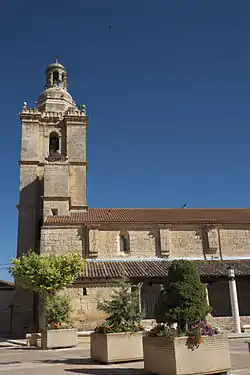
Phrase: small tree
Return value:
(48, 274)
(58, 309)
(122, 309)
(184, 296)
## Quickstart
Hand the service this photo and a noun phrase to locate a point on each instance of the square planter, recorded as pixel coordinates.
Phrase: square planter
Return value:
(116, 347)
(172, 356)
(59, 338)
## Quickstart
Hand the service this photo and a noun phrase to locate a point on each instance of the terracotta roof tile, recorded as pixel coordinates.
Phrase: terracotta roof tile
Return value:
(98, 269)
(155, 216)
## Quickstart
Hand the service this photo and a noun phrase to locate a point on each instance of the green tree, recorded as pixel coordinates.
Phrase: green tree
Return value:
(183, 300)
(122, 309)
(47, 275)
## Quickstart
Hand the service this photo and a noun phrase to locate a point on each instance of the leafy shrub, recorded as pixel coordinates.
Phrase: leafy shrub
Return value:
(122, 309)
(162, 330)
(58, 309)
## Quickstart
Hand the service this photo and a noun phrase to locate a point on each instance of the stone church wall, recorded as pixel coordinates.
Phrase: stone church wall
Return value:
(175, 243)
(184, 243)
(77, 185)
(187, 242)
(56, 180)
(62, 240)
(106, 243)
(235, 242)
(30, 140)
(85, 314)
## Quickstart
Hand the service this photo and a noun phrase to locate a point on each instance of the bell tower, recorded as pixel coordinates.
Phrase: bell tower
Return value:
(53, 158)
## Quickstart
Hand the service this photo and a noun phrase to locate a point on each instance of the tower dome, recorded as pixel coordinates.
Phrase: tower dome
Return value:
(55, 65)
(55, 97)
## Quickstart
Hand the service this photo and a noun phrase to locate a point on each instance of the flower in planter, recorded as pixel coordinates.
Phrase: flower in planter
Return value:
(53, 325)
(197, 332)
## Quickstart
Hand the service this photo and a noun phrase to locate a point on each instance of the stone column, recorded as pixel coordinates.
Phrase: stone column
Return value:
(207, 295)
(234, 300)
(209, 316)
(139, 296)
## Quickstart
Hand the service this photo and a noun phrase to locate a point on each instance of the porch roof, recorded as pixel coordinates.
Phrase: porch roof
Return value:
(147, 268)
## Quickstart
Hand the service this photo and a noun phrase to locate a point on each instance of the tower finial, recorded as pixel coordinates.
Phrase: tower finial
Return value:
(57, 59)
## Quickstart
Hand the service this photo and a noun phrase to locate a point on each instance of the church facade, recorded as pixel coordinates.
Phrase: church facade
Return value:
(140, 243)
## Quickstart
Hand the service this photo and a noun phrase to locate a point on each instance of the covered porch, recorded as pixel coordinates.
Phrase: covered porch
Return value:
(148, 274)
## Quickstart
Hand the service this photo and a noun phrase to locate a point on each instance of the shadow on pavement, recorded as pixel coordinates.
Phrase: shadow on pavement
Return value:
(102, 371)
(67, 361)
(95, 368)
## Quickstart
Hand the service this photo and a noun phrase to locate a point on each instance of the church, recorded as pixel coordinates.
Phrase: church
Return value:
(140, 243)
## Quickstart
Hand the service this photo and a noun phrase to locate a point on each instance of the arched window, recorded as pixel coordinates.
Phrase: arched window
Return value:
(124, 241)
(84, 291)
(53, 143)
(55, 77)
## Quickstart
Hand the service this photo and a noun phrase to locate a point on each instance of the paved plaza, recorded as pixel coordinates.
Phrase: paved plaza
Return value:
(18, 360)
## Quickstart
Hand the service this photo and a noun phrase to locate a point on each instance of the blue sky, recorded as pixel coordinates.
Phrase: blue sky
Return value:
(167, 88)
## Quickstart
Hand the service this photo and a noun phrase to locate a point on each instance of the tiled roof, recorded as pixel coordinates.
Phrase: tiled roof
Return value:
(98, 269)
(155, 216)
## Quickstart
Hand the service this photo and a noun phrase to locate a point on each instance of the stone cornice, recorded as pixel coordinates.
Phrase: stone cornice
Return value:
(42, 163)
(60, 226)
(134, 227)
(78, 208)
(94, 226)
(52, 116)
(50, 198)
(28, 162)
(30, 114)
(80, 163)
(56, 162)
(55, 122)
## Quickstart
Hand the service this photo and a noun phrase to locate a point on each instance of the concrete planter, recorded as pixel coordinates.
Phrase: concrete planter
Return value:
(116, 347)
(59, 338)
(172, 357)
